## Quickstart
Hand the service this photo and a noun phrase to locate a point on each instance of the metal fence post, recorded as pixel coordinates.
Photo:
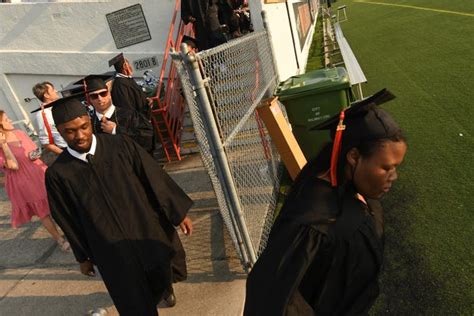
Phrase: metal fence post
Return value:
(217, 151)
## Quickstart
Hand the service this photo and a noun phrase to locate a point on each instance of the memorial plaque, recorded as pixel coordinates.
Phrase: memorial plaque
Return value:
(128, 26)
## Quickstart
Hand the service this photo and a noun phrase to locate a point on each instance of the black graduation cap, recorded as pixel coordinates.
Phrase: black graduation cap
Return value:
(66, 109)
(96, 81)
(71, 89)
(106, 76)
(116, 60)
(190, 41)
(362, 121)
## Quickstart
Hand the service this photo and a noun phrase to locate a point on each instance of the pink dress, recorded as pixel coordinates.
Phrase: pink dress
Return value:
(25, 187)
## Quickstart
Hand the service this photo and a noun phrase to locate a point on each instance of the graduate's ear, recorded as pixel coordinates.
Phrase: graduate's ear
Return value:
(352, 157)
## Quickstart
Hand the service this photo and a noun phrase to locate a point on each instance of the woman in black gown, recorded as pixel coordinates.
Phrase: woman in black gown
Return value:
(325, 250)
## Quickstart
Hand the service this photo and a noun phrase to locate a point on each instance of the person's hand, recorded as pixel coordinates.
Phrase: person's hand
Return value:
(34, 154)
(87, 268)
(191, 19)
(186, 226)
(3, 139)
(107, 126)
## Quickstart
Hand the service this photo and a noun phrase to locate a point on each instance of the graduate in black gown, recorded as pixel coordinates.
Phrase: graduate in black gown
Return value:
(126, 93)
(117, 120)
(195, 12)
(118, 208)
(325, 249)
(215, 29)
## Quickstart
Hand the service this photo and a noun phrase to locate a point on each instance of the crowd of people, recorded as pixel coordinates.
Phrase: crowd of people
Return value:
(119, 209)
(216, 21)
(115, 204)
(120, 109)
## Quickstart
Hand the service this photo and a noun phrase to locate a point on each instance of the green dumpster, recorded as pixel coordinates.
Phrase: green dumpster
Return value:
(312, 98)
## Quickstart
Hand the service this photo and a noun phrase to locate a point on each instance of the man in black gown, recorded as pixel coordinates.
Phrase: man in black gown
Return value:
(126, 93)
(117, 120)
(118, 209)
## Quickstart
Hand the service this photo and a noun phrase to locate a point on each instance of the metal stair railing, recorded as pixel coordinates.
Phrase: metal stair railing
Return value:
(168, 107)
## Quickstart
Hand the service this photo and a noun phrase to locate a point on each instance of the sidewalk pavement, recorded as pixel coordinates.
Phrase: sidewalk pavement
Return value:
(36, 278)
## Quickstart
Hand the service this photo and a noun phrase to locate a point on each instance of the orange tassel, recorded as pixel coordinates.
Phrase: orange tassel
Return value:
(336, 149)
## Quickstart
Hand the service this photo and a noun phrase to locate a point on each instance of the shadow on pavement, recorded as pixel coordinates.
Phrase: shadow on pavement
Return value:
(54, 305)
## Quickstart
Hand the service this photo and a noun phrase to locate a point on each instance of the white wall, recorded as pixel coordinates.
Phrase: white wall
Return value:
(61, 42)
(64, 41)
(302, 53)
(289, 56)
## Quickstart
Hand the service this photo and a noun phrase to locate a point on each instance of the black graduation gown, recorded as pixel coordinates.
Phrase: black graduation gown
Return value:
(119, 212)
(226, 12)
(215, 35)
(198, 10)
(317, 261)
(132, 124)
(126, 93)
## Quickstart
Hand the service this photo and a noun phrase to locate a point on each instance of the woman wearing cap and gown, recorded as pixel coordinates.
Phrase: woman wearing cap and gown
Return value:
(325, 249)
(118, 207)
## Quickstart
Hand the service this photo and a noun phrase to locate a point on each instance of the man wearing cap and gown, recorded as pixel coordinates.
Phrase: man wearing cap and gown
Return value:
(325, 249)
(126, 93)
(115, 120)
(118, 208)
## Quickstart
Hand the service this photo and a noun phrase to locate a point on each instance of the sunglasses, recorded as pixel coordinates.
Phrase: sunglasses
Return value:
(95, 96)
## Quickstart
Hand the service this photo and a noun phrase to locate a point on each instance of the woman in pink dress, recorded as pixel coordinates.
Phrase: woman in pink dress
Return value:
(24, 183)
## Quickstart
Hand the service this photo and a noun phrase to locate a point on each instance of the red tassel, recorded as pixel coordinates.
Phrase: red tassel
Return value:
(87, 94)
(336, 149)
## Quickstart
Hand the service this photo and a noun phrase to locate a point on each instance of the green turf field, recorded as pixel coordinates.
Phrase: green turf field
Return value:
(423, 51)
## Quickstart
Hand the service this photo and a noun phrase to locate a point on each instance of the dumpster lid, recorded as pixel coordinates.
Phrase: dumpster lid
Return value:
(319, 81)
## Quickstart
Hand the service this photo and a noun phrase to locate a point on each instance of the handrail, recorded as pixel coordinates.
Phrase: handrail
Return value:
(171, 105)
(169, 43)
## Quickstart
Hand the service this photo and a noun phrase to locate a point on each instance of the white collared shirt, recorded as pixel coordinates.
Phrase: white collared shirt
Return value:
(43, 132)
(82, 156)
(108, 114)
(122, 75)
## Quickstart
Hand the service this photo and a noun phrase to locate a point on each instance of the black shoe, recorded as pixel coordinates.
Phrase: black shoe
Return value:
(170, 300)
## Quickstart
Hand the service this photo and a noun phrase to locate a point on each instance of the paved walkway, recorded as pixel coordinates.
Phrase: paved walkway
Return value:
(36, 278)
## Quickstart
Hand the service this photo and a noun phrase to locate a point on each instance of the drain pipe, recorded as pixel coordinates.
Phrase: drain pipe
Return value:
(293, 37)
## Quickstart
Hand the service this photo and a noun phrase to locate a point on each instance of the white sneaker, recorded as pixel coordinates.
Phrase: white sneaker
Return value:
(97, 312)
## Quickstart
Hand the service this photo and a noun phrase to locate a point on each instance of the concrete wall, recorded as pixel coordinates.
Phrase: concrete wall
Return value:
(64, 41)
(61, 42)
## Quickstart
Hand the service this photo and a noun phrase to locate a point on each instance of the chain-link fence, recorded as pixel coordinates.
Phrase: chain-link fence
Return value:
(236, 76)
